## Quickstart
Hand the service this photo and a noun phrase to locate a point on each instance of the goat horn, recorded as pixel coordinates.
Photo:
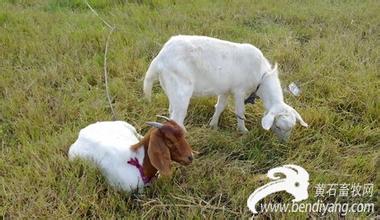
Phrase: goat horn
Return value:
(155, 124)
(195, 152)
(164, 117)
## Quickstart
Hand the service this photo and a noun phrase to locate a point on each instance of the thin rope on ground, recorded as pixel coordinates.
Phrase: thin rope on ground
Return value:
(112, 28)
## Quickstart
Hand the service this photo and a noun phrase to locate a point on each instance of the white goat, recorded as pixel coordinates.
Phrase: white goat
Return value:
(202, 66)
(127, 162)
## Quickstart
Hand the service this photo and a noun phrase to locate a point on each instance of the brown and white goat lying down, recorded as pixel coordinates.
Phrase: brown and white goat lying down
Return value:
(127, 162)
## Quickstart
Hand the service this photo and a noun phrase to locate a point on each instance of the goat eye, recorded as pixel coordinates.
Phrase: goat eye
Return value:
(297, 184)
(170, 142)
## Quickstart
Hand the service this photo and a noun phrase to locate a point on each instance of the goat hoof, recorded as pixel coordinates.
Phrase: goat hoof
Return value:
(214, 126)
(243, 130)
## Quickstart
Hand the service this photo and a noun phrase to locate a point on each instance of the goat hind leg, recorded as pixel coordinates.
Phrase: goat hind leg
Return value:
(219, 107)
(179, 102)
(179, 111)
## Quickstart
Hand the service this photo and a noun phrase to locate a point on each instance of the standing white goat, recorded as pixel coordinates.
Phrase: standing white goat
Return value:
(202, 66)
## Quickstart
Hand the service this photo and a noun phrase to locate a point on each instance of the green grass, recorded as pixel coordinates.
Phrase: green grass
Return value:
(51, 86)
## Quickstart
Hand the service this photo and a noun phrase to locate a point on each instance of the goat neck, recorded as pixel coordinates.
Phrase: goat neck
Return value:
(149, 170)
(270, 91)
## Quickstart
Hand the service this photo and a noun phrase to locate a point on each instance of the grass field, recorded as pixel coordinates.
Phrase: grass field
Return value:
(52, 85)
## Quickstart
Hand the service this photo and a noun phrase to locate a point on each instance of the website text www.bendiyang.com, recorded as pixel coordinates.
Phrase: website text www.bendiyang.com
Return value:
(319, 207)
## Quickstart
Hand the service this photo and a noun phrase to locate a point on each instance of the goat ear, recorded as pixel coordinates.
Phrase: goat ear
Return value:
(299, 119)
(268, 120)
(159, 154)
(275, 69)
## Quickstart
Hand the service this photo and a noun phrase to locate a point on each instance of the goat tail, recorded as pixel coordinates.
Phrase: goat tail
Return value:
(150, 77)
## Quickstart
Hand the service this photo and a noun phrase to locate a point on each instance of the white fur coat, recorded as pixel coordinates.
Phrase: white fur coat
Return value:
(107, 145)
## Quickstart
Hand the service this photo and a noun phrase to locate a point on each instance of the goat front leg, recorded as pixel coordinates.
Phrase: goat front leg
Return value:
(239, 110)
(219, 107)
